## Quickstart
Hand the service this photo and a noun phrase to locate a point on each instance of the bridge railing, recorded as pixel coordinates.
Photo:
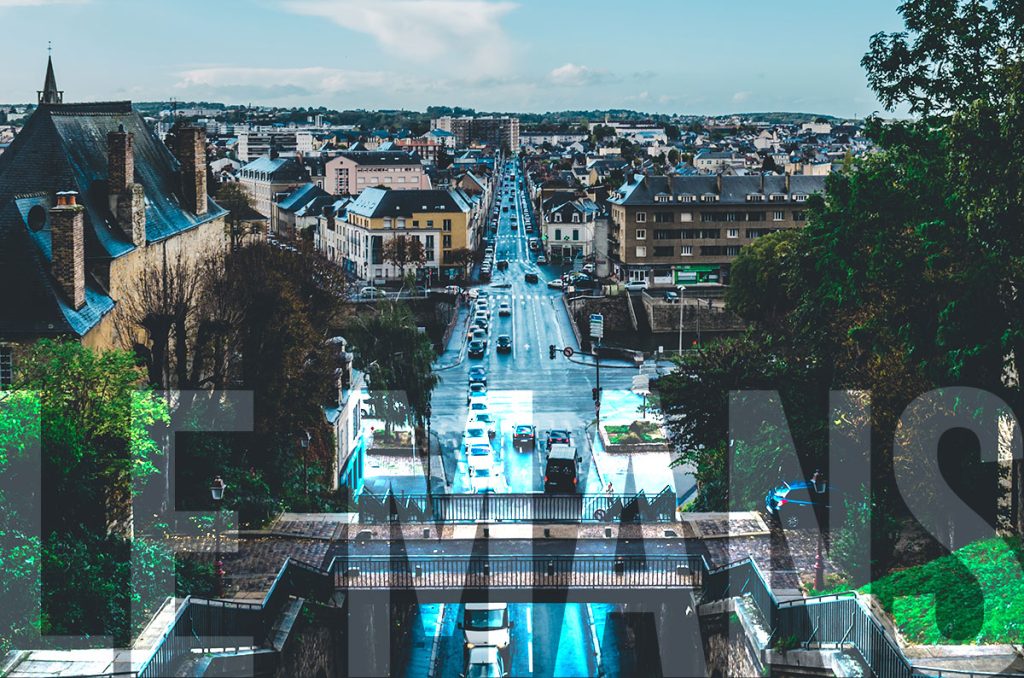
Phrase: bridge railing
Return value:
(552, 508)
(525, 572)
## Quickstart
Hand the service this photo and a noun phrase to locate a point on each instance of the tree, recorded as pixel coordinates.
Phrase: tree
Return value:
(399, 362)
(762, 279)
(673, 157)
(402, 251)
(672, 132)
(462, 258)
(952, 53)
(444, 159)
(239, 223)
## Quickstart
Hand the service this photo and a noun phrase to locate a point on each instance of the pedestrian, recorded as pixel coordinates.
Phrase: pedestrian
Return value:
(610, 489)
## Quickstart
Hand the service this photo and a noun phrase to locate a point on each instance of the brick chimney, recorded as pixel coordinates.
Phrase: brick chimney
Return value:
(67, 238)
(190, 150)
(127, 199)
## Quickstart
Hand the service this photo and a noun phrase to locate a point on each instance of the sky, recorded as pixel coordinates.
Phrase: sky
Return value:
(658, 56)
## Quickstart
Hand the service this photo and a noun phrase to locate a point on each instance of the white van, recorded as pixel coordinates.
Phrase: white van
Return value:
(486, 624)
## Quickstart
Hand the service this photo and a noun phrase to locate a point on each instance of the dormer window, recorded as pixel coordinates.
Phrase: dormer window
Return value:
(755, 197)
(800, 198)
(558, 217)
(575, 218)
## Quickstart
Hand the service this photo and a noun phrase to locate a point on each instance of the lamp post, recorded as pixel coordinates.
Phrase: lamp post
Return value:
(682, 292)
(304, 439)
(217, 493)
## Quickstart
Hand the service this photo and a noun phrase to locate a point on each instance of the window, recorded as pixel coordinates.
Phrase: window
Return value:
(641, 251)
(430, 223)
(686, 216)
(447, 225)
(799, 216)
(446, 242)
(575, 217)
(666, 234)
(429, 247)
(778, 216)
(705, 217)
(686, 250)
(6, 366)
(558, 234)
(664, 251)
(558, 217)
(732, 233)
(415, 223)
(641, 217)
(732, 250)
(641, 234)
(663, 218)
(576, 234)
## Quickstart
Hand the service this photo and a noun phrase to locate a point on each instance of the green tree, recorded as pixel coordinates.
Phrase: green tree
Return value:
(404, 251)
(762, 279)
(240, 222)
(399, 361)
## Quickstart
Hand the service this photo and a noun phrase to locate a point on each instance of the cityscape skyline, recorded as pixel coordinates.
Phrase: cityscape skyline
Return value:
(491, 56)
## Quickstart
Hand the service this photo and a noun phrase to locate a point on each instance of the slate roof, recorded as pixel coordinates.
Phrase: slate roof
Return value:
(375, 203)
(735, 189)
(64, 147)
(278, 170)
(383, 157)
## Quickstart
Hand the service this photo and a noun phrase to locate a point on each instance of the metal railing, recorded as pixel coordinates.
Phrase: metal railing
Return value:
(550, 508)
(516, 572)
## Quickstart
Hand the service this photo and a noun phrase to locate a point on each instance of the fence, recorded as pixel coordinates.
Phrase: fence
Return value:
(516, 572)
(552, 508)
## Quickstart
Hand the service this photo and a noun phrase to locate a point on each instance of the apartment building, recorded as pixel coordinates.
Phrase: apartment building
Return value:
(498, 133)
(686, 229)
(353, 171)
(287, 142)
(567, 224)
(268, 177)
(439, 219)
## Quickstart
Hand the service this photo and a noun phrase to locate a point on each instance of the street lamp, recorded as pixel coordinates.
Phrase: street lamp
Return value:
(304, 439)
(682, 292)
(217, 493)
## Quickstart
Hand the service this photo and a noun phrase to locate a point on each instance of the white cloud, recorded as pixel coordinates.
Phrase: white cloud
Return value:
(425, 30)
(571, 75)
(284, 82)
(740, 97)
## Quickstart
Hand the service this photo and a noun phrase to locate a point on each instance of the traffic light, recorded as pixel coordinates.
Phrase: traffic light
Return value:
(551, 351)
(596, 393)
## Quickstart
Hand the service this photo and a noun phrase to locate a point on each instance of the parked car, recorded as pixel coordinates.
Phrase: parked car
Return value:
(369, 293)
(481, 322)
(502, 264)
(525, 435)
(534, 244)
(504, 309)
(531, 277)
(671, 297)
(486, 480)
(589, 268)
(477, 349)
(475, 436)
(504, 344)
(477, 333)
(794, 504)
(487, 420)
(478, 406)
(559, 437)
(556, 284)
(562, 469)
(477, 375)
(636, 285)
(541, 259)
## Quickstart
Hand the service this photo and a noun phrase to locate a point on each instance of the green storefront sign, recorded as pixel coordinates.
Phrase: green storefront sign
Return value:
(697, 274)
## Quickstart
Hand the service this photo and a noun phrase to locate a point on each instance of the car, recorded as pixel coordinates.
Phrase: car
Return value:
(477, 349)
(635, 285)
(475, 389)
(504, 344)
(486, 625)
(482, 311)
(477, 375)
(504, 309)
(478, 406)
(481, 323)
(559, 436)
(478, 334)
(524, 435)
(476, 436)
(794, 504)
(487, 480)
(369, 293)
(502, 264)
(485, 274)
(531, 277)
(485, 419)
(562, 469)
(489, 251)
(453, 290)
(556, 284)
(541, 259)
(479, 452)
(671, 297)
(534, 244)
(589, 268)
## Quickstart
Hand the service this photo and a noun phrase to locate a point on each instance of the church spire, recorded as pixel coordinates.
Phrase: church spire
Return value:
(50, 94)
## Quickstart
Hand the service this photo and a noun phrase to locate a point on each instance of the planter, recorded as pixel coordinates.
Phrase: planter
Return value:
(633, 446)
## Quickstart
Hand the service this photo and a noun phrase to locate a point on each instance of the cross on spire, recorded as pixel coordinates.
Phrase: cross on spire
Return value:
(50, 94)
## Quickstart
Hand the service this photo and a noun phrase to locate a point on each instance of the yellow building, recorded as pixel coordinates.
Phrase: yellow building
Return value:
(439, 219)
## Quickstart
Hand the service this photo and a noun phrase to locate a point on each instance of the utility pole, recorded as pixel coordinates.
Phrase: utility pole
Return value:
(596, 335)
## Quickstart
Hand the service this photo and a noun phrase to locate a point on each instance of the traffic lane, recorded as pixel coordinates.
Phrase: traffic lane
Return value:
(450, 659)
(555, 639)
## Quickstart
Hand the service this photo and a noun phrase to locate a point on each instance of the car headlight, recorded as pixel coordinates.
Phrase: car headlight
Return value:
(470, 646)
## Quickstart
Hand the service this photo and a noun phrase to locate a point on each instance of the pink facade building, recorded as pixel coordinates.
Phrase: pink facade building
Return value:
(352, 172)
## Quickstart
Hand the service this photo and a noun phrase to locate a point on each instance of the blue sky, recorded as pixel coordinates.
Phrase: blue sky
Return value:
(670, 56)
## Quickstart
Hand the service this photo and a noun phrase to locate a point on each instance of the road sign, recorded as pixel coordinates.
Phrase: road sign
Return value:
(597, 326)
(567, 351)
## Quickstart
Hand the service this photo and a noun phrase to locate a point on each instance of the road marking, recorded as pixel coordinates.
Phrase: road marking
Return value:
(592, 624)
(529, 633)
(436, 643)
